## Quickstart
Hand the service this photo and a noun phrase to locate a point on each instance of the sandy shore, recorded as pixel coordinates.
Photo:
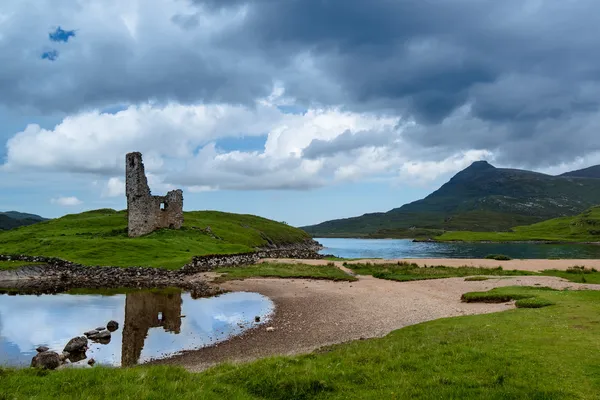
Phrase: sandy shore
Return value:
(524, 265)
(314, 313)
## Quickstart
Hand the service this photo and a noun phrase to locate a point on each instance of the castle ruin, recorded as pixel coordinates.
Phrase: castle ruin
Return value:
(146, 213)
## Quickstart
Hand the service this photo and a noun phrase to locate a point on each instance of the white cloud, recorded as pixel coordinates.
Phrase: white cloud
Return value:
(114, 187)
(66, 201)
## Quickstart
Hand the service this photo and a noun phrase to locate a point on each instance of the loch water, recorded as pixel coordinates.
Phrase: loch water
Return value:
(152, 324)
(406, 248)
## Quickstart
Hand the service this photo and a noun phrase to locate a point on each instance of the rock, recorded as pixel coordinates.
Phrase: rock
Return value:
(64, 355)
(77, 344)
(112, 326)
(90, 333)
(270, 329)
(91, 361)
(100, 335)
(46, 360)
(42, 349)
(78, 356)
(100, 328)
(257, 319)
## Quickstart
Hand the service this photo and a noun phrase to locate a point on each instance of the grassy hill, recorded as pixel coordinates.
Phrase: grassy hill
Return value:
(14, 219)
(100, 238)
(479, 198)
(584, 227)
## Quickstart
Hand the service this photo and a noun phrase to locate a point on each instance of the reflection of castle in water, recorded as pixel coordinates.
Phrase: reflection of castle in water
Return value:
(143, 311)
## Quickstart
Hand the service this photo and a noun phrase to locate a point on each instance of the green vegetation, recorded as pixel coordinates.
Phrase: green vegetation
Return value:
(584, 227)
(403, 271)
(280, 270)
(100, 238)
(8, 265)
(545, 353)
(498, 257)
(525, 297)
(576, 274)
(480, 198)
(476, 278)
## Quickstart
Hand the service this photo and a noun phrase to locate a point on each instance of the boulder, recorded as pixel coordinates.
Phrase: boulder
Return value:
(46, 360)
(42, 349)
(64, 356)
(100, 335)
(90, 333)
(112, 326)
(76, 345)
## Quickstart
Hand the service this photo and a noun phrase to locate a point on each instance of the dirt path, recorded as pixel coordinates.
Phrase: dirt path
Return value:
(524, 265)
(314, 313)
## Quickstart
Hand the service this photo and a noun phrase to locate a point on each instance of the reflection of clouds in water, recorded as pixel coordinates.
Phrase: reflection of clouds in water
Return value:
(29, 321)
(207, 321)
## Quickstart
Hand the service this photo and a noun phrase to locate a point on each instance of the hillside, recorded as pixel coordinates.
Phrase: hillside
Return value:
(479, 198)
(584, 227)
(100, 238)
(591, 172)
(14, 219)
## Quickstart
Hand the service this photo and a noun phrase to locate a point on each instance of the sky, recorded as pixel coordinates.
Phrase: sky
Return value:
(298, 110)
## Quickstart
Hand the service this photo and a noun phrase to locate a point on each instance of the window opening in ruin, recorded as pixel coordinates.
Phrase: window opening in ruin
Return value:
(163, 206)
(131, 162)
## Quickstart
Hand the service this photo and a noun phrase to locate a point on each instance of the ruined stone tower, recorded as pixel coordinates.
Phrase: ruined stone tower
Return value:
(146, 212)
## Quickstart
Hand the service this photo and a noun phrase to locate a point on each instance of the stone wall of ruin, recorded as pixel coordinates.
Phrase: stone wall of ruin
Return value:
(146, 213)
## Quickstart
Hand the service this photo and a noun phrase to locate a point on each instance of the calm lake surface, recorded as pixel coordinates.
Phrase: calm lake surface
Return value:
(151, 324)
(406, 248)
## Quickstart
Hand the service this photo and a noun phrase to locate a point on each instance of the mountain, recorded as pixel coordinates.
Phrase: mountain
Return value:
(14, 219)
(478, 198)
(591, 172)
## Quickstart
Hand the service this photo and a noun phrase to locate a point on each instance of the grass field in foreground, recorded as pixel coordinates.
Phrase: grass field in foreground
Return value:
(544, 353)
(8, 265)
(100, 238)
(403, 271)
(281, 270)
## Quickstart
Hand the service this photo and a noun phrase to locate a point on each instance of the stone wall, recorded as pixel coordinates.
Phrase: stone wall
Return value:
(77, 275)
(146, 213)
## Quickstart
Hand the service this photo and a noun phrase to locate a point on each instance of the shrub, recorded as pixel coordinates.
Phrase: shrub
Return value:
(580, 270)
(498, 257)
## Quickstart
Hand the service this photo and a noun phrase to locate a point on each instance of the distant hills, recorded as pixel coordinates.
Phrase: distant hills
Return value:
(478, 198)
(14, 219)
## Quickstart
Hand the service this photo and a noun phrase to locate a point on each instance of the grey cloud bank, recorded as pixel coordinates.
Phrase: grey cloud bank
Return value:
(518, 78)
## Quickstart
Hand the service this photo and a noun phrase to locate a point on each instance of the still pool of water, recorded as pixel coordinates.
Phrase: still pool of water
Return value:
(151, 324)
(406, 248)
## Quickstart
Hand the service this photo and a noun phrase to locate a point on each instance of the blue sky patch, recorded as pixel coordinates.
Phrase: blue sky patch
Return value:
(60, 35)
(51, 55)
(242, 143)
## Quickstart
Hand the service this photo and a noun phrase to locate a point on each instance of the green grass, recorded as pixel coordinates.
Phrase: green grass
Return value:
(280, 270)
(584, 227)
(403, 271)
(498, 257)
(576, 274)
(100, 238)
(525, 297)
(8, 265)
(544, 353)
(476, 278)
